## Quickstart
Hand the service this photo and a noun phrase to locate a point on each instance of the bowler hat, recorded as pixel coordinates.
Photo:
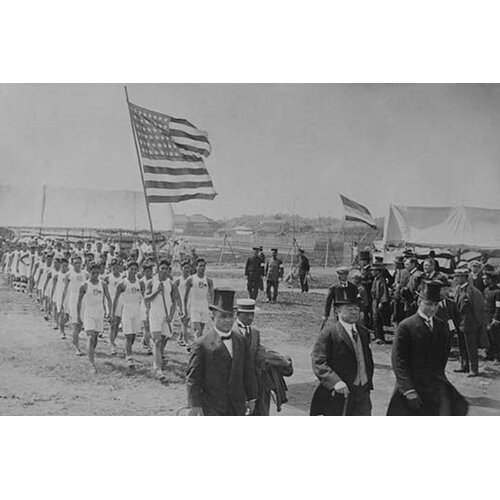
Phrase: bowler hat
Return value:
(345, 295)
(431, 290)
(223, 300)
(245, 305)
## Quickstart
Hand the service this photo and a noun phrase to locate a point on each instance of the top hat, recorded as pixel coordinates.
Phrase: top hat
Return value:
(431, 290)
(223, 300)
(245, 305)
(345, 295)
(364, 255)
(274, 249)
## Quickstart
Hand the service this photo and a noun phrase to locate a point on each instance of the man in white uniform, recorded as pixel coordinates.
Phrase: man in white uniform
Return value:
(91, 302)
(112, 281)
(131, 292)
(183, 312)
(73, 281)
(199, 294)
(163, 297)
(58, 285)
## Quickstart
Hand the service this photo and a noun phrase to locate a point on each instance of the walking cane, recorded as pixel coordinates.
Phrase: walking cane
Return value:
(344, 409)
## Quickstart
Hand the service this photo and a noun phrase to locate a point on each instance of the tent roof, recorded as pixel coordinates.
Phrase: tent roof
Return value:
(57, 207)
(449, 227)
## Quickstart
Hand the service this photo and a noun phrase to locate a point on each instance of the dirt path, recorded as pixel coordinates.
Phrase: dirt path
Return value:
(40, 375)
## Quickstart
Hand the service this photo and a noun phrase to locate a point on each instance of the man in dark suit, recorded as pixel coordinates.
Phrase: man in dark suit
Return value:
(476, 275)
(263, 360)
(342, 361)
(304, 268)
(491, 295)
(220, 376)
(350, 288)
(419, 358)
(254, 273)
(401, 277)
(470, 305)
(380, 300)
(409, 290)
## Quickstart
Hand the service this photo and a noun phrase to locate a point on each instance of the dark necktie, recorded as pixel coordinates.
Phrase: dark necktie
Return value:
(354, 334)
(429, 324)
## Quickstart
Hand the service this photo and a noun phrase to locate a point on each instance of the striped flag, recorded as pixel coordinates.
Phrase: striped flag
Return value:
(357, 212)
(172, 152)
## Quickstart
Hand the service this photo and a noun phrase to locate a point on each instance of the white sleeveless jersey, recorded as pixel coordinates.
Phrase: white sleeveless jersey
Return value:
(157, 308)
(75, 281)
(182, 288)
(113, 281)
(198, 295)
(43, 277)
(13, 265)
(93, 300)
(131, 298)
(58, 292)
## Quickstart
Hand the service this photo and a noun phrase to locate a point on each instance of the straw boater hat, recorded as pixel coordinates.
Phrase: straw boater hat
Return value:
(223, 300)
(342, 269)
(245, 305)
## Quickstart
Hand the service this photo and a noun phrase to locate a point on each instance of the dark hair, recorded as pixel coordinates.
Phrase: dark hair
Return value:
(201, 260)
(164, 262)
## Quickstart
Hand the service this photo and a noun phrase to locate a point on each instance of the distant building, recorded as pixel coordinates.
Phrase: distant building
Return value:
(199, 225)
(274, 226)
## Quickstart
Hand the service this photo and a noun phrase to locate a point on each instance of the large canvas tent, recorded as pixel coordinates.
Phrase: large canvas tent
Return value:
(73, 208)
(443, 227)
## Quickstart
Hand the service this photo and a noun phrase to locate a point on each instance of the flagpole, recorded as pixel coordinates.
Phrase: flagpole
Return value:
(139, 162)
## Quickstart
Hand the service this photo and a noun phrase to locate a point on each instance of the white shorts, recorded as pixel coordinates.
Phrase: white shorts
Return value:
(72, 311)
(159, 324)
(199, 315)
(93, 323)
(144, 312)
(131, 324)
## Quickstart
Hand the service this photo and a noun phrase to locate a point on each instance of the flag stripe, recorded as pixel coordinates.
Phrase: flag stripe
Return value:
(177, 185)
(359, 219)
(356, 212)
(174, 170)
(179, 191)
(355, 206)
(181, 133)
(177, 179)
(193, 149)
(178, 198)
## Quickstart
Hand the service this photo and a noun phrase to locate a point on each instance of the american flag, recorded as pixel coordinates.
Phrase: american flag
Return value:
(172, 152)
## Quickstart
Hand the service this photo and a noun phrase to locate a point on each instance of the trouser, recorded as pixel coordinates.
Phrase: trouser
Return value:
(304, 285)
(368, 318)
(378, 322)
(274, 286)
(493, 331)
(359, 403)
(253, 285)
(468, 345)
(398, 313)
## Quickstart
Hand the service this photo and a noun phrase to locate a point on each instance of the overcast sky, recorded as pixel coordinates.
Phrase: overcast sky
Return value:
(276, 148)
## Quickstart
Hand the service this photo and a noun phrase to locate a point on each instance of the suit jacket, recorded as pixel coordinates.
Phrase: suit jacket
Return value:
(221, 385)
(419, 358)
(470, 307)
(380, 292)
(448, 311)
(334, 360)
(268, 365)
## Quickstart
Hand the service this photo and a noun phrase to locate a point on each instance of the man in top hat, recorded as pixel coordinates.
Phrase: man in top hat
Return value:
(380, 300)
(254, 271)
(304, 268)
(342, 361)
(476, 275)
(274, 272)
(264, 361)
(220, 375)
(470, 305)
(491, 295)
(344, 285)
(419, 358)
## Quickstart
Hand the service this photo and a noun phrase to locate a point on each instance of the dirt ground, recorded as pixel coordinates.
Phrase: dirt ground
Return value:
(40, 375)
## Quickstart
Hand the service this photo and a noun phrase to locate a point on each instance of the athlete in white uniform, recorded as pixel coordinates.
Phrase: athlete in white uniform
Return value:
(147, 270)
(112, 280)
(57, 296)
(46, 285)
(73, 281)
(163, 297)
(131, 292)
(199, 294)
(181, 282)
(90, 308)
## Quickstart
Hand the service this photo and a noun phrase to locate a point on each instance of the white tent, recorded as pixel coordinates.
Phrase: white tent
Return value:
(443, 227)
(72, 208)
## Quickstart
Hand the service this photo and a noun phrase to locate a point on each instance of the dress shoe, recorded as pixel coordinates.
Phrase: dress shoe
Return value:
(461, 370)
